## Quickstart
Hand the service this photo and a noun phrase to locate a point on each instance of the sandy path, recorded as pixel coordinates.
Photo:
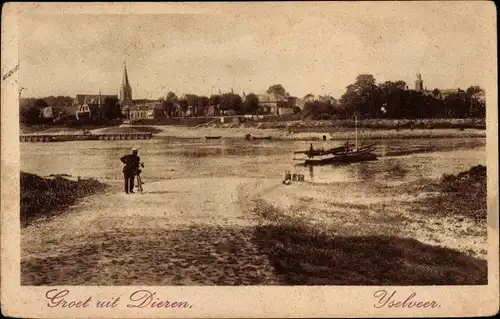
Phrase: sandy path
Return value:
(201, 231)
(187, 231)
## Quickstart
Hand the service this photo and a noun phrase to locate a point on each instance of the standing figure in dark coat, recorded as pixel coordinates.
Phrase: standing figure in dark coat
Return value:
(130, 169)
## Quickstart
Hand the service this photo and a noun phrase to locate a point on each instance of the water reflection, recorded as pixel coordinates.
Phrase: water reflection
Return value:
(262, 159)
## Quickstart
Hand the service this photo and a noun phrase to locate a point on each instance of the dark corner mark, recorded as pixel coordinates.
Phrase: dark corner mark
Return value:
(8, 74)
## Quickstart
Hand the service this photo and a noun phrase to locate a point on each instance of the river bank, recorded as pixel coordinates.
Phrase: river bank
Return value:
(254, 231)
(279, 134)
(297, 130)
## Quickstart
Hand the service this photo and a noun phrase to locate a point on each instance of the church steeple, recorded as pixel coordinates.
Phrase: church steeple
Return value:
(125, 88)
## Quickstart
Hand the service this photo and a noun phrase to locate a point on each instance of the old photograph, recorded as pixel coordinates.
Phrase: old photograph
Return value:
(320, 149)
(255, 144)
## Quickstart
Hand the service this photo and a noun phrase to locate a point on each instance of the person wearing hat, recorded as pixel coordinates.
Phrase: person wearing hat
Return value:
(130, 168)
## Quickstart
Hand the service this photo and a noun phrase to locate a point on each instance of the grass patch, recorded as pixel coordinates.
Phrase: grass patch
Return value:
(463, 194)
(46, 196)
(300, 256)
(303, 254)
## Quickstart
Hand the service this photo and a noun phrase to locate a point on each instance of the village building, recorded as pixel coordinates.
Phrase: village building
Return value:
(296, 102)
(141, 112)
(146, 110)
(86, 106)
(275, 104)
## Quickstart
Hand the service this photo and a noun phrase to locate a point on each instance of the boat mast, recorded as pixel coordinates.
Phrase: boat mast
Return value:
(356, 125)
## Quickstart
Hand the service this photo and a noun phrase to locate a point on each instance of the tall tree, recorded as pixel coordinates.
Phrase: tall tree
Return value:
(436, 93)
(277, 89)
(183, 106)
(214, 102)
(202, 105)
(457, 105)
(171, 97)
(473, 90)
(40, 103)
(168, 108)
(230, 101)
(251, 104)
(29, 115)
(192, 101)
(362, 97)
(112, 107)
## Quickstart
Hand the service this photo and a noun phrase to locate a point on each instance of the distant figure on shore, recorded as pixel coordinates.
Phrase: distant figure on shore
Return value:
(130, 169)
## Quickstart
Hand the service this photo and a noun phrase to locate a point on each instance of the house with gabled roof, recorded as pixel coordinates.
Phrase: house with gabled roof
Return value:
(86, 106)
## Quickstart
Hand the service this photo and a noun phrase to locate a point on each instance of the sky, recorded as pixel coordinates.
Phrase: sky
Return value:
(316, 48)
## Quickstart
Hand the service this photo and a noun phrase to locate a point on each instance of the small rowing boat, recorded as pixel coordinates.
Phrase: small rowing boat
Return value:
(213, 137)
(249, 137)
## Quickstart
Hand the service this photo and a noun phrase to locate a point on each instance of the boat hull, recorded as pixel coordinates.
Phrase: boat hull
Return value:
(345, 158)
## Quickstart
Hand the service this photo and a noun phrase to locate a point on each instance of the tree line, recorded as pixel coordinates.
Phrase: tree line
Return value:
(221, 103)
(364, 98)
(392, 100)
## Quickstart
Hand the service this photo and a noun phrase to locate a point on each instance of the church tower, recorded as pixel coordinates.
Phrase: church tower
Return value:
(125, 89)
(419, 84)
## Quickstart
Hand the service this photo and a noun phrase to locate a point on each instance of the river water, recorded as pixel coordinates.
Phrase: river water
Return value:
(171, 158)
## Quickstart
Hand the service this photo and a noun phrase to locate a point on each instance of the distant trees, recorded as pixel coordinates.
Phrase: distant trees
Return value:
(29, 115)
(277, 89)
(322, 110)
(365, 97)
(171, 97)
(192, 104)
(30, 111)
(230, 101)
(390, 99)
(251, 104)
(110, 109)
(168, 104)
(214, 102)
(436, 93)
(40, 103)
(361, 97)
(168, 108)
(202, 106)
(183, 106)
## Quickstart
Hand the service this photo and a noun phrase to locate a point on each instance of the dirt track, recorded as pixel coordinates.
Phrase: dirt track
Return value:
(201, 231)
(181, 232)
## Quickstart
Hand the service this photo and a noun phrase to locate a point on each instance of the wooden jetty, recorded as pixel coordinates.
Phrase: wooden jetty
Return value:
(58, 137)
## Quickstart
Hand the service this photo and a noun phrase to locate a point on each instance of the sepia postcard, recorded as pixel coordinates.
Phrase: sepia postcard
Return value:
(249, 159)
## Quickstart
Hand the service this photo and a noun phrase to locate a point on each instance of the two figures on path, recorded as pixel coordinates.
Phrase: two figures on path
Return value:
(131, 169)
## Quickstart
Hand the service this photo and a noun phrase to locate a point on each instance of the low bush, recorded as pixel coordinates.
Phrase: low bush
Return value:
(464, 193)
(44, 196)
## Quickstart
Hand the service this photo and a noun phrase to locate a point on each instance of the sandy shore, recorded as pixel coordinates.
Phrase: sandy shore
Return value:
(239, 132)
(201, 231)
(180, 232)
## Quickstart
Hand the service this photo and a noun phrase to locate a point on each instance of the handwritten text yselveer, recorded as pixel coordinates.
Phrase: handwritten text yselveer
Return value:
(389, 299)
(137, 299)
